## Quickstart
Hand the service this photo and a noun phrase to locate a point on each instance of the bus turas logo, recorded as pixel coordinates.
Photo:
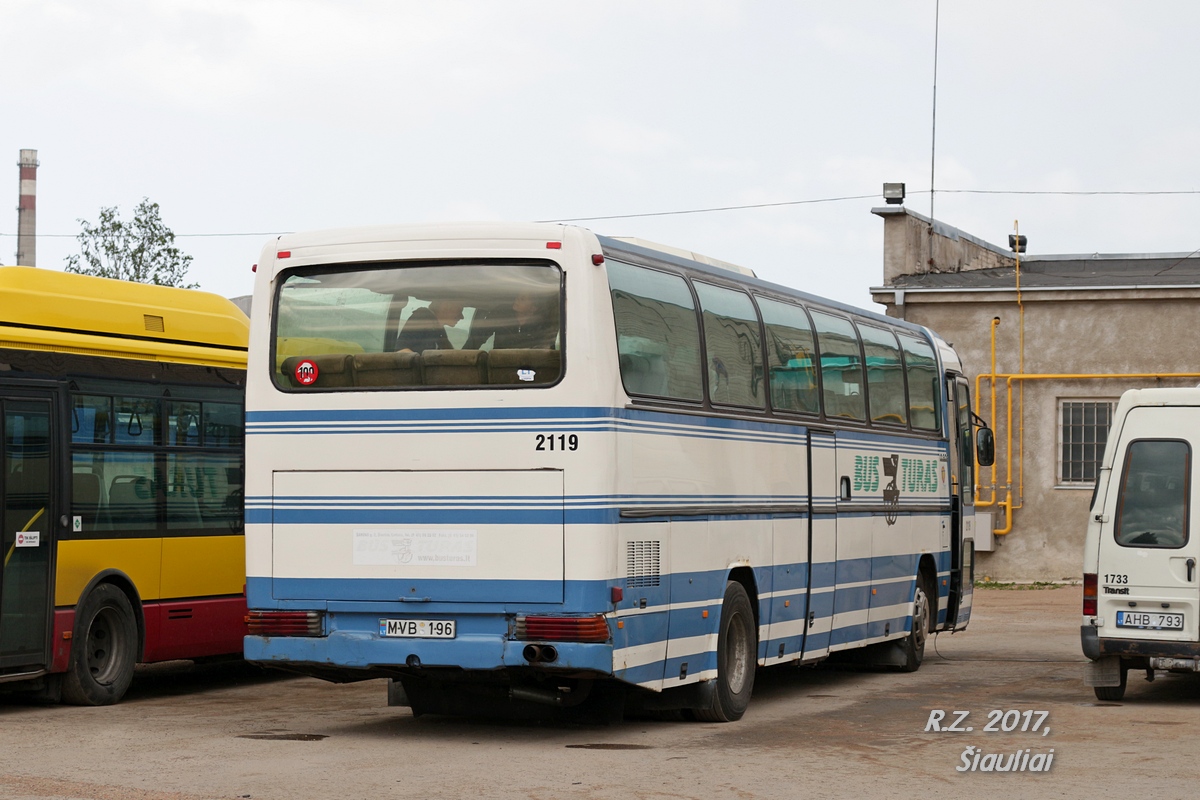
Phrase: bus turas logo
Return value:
(306, 373)
(905, 475)
(891, 492)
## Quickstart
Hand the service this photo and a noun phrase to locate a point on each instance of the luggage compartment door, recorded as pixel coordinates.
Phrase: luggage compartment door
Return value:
(436, 536)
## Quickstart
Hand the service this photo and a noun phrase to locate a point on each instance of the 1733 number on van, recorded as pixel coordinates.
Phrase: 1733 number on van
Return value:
(1152, 620)
(417, 628)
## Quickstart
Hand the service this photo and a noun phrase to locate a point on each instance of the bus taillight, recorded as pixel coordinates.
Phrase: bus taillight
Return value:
(284, 623)
(1089, 594)
(562, 629)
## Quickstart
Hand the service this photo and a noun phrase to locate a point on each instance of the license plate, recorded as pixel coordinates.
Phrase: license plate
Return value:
(417, 628)
(1155, 620)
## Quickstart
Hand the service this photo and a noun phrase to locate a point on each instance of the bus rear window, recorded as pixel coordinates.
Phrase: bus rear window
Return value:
(413, 326)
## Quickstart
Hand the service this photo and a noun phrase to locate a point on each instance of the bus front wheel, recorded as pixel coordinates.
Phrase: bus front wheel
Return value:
(737, 649)
(914, 643)
(104, 649)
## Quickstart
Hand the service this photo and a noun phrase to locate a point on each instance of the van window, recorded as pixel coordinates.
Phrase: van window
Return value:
(657, 336)
(1153, 506)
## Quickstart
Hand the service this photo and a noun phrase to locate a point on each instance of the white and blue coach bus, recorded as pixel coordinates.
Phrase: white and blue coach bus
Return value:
(522, 465)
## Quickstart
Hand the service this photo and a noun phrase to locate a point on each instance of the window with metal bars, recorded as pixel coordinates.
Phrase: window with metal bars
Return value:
(1082, 433)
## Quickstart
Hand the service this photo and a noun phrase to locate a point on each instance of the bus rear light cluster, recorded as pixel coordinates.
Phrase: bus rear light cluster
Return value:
(1089, 594)
(284, 623)
(562, 629)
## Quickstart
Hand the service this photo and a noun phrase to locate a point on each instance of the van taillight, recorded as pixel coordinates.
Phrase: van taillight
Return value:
(284, 623)
(1089, 594)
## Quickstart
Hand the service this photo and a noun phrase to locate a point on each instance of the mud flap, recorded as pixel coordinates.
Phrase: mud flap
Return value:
(1104, 671)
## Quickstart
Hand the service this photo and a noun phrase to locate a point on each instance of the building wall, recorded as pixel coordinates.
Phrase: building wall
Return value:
(1066, 332)
(916, 245)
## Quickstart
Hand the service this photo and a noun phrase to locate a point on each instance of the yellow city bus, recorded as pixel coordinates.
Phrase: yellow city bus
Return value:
(121, 406)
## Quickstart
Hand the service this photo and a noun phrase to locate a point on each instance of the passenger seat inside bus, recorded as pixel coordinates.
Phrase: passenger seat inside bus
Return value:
(455, 367)
(387, 369)
(85, 498)
(131, 499)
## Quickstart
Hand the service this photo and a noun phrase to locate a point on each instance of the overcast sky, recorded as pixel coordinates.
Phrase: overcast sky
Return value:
(261, 117)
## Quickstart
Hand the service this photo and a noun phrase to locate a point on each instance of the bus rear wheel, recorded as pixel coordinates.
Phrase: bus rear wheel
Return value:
(737, 650)
(103, 651)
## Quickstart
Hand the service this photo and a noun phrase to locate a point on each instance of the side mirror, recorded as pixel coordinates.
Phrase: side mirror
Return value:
(985, 447)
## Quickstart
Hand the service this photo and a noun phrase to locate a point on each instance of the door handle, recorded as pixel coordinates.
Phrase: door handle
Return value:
(845, 487)
(1191, 565)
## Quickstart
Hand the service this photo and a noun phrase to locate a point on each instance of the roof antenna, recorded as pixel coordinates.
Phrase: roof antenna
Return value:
(933, 132)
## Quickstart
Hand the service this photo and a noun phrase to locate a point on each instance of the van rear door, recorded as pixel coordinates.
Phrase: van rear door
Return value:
(1149, 538)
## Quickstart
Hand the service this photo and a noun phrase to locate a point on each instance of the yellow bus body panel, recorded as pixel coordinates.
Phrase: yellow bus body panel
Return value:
(62, 312)
(80, 560)
(197, 566)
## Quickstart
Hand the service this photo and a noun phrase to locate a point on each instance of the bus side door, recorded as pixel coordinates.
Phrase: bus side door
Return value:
(28, 477)
(962, 512)
(822, 551)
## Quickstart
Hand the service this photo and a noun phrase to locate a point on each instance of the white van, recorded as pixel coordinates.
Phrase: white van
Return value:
(1141, 602)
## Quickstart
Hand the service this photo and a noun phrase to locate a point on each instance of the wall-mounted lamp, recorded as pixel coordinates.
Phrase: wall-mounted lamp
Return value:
(1016, 243)
(893, 193)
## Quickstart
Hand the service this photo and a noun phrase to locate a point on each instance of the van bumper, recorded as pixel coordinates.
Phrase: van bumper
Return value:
(1095, 646)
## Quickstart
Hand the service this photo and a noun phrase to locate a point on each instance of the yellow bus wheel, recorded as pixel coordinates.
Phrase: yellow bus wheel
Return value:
(104, 649)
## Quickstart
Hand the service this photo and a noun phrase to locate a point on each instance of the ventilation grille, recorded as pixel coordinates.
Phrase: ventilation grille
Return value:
(154, 323)
(642, 563)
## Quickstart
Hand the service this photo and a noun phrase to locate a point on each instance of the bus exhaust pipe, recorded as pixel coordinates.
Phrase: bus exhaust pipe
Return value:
(540, 653)
(545, 697)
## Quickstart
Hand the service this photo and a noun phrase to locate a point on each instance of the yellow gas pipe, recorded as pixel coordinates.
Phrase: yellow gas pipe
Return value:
(1008, 379)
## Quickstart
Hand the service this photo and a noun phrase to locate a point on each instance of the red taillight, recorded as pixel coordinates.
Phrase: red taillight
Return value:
(284, 623)
(1089, 594)
(563, 629)
(284, 254)
(554, 245)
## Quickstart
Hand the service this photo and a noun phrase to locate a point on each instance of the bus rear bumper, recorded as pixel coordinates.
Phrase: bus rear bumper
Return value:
(368, 651)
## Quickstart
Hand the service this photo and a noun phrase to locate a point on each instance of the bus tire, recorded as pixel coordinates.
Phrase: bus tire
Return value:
(914, 643)
(103, 651)
(1113, 694)
(737, 657)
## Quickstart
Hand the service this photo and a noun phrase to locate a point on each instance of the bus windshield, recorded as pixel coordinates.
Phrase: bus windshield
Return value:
(425, 325)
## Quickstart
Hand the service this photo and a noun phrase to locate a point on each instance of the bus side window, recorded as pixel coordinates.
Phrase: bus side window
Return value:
(923, 382)
(733, 346)
(791, 357)
(658, 338)
(885, 376)
(841, 367)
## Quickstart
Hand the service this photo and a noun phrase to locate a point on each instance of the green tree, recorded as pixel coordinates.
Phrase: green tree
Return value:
(141, 250)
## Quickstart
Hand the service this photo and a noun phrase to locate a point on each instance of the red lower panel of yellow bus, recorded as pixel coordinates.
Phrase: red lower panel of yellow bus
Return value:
(174, 629)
